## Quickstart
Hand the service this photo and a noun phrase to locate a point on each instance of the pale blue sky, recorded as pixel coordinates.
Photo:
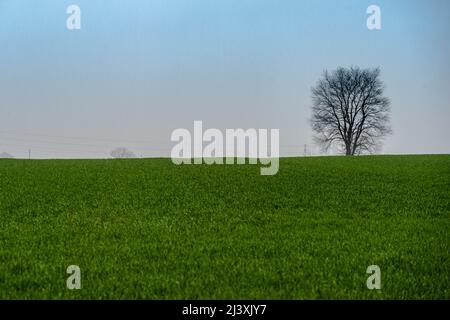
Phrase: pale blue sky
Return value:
(137, 70)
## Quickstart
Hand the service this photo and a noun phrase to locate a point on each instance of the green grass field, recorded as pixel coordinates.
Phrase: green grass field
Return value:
(148, 229)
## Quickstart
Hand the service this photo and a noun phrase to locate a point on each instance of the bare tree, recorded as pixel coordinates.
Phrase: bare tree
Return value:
(349, 110)
(122, 153)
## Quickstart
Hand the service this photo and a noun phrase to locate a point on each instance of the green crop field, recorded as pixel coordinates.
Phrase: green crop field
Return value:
(147, 229)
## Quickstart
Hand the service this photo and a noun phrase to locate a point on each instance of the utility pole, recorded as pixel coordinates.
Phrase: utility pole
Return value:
(304, 150)
(29, 154)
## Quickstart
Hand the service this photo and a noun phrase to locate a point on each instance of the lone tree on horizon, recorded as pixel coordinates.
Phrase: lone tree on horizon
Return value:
(122, 153)
(349, 111)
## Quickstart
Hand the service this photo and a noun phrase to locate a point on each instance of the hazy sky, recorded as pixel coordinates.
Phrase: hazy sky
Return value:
(137, 70)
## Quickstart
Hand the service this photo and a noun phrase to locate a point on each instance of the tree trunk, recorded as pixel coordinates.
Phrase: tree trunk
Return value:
(348, 149)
